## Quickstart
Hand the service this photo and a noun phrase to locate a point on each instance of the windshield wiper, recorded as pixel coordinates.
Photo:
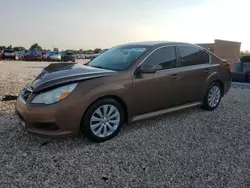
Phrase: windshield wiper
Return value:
(101, 67)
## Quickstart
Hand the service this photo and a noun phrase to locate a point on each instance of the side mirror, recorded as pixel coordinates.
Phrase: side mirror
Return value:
(146, 69)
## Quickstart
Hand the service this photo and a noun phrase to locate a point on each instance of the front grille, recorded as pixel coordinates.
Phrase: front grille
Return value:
(26, 92)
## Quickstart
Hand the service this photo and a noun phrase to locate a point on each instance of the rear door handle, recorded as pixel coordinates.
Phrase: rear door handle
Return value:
(175, 77)
(207, 70)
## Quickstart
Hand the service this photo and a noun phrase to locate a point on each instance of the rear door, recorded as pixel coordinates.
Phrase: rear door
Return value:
(195, 69)
(159, 90)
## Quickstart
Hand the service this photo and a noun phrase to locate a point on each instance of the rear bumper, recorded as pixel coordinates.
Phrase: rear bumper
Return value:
(227, 86)
(54, 58)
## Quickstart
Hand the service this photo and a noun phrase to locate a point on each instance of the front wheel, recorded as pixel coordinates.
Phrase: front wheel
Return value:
(213, 96)
(103, 120)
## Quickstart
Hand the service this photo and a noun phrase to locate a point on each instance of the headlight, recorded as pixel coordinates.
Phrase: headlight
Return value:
(54, 95)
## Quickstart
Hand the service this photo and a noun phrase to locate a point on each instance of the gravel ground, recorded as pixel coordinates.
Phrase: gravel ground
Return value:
(191, 148)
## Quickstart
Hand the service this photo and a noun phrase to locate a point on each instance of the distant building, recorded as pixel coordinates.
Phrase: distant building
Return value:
(228, 50)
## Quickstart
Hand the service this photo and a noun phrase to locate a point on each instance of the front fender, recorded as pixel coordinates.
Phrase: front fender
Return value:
(92, 91)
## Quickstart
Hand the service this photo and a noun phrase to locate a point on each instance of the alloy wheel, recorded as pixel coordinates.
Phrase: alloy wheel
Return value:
(214, 96)
(105, 120)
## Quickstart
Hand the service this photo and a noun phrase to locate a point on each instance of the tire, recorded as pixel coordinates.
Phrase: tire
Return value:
(207, 103)
(91, 113)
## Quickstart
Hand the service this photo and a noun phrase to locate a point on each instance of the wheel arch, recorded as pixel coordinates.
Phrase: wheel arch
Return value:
(215, 78)
(217, 81)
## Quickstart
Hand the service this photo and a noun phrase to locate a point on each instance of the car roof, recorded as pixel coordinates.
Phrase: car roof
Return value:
(157, 43)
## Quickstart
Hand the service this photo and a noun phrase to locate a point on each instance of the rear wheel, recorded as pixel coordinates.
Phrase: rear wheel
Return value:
(213, 96)
(103, 120)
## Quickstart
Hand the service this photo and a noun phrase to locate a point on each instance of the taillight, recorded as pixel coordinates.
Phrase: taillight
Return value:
(228, 66)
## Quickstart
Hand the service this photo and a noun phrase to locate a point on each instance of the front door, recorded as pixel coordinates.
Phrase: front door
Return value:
(160, 90)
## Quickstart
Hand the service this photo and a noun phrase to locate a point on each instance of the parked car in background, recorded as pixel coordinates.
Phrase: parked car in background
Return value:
(127, 83)
(33, 55)
(19, 55)
(8, 54)
(1, 55)
(82, 56)
(22, 53)
(54, 56)
(77, 56)
(45, 55)
(241, 70)
(68, 56)
(87, 56)
(93, 56)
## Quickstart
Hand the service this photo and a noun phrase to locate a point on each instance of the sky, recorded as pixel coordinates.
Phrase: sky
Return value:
(86, 24)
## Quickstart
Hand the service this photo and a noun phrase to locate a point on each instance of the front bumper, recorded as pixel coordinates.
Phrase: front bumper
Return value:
(59, 119)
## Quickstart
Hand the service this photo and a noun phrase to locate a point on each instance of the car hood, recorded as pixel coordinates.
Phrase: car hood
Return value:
(63, 73)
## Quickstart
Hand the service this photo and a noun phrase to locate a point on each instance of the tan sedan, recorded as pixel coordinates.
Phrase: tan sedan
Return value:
(127, 83)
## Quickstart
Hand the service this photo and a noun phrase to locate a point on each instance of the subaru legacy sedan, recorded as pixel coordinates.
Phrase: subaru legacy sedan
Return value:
(126, 84)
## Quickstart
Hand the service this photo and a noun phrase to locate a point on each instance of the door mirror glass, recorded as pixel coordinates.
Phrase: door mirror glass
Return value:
(146, 69)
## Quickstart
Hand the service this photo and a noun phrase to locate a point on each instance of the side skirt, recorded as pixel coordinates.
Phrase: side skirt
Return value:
(164, 111)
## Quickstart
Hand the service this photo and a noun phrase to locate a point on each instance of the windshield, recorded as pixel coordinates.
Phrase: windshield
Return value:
(117, 58)
(69, 53)
(9, 51)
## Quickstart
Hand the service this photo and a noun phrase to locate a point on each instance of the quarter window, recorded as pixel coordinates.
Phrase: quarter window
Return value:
(192, 56)
(163, 58)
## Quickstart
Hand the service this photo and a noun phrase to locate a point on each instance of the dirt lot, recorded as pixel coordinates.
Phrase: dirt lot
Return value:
(191, 148)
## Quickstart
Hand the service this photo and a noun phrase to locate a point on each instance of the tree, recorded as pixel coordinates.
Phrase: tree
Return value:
(81, 51)
(56, 50)
(19, 48)
(9, 47)
(2, 47)
(97, 50)
(35, 47)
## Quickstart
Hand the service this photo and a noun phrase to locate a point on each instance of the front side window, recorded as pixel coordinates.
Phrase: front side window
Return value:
(118, 58)
(192, 56)
(163, 58)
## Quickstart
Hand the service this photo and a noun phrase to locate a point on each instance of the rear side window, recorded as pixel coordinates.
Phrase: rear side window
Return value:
(163, 58)
(192, 56)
